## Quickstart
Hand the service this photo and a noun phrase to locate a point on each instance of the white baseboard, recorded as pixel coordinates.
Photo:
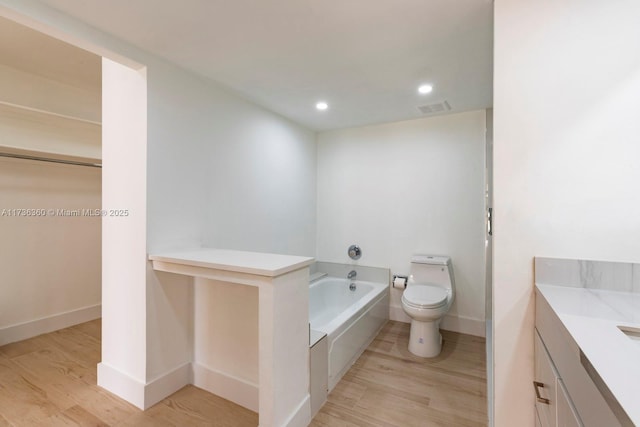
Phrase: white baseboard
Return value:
(48, 324)
(450, 322)
(301, 416)
(136, 392)
(121, 385)
(464, 325)
(237, 390)
(398, 314)
(167, 384)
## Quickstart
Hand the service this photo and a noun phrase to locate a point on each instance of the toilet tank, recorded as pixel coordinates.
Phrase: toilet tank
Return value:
(434, 269)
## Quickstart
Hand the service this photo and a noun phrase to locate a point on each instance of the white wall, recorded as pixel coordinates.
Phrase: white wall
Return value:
(408, 187)
(50, 265)
(222, 311)
(566, 150)
(226, 317)
(261, 172)
(224, 172)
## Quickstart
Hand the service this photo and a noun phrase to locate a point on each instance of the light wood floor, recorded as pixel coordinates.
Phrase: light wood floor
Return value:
(50, 380)
(388, 386)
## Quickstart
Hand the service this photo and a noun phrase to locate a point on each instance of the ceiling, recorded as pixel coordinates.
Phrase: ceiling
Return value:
(365, 58)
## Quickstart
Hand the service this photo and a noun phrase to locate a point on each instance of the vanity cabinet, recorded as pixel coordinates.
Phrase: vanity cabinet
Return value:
(574, 398)
(553, 405)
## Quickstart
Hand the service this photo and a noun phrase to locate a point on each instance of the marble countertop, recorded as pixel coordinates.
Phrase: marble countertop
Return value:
(261, 264)
(592, 317)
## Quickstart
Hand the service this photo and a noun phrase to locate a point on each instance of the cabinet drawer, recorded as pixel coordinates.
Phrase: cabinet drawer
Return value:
(567, 416)
(545, 377)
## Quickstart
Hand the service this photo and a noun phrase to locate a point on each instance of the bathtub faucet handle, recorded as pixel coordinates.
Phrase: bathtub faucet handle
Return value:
(352, 275)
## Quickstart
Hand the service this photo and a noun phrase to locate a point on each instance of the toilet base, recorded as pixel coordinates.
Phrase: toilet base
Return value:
(425, 339)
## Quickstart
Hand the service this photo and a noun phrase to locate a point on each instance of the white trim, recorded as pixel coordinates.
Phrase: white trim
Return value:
(301, 416)
(136, 392)
(44, 325)
(121, 384)
(450, 322)
(463, 325)
(167, 384)
(397, 313)
(237, 390)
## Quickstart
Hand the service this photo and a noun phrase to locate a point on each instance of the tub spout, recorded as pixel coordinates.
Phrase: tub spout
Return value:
(352, 275)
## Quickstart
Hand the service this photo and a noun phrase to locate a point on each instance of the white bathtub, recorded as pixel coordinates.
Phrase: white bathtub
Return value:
(351, 319)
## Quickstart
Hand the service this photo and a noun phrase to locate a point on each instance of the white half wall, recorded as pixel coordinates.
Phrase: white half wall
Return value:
(408, 187)
(566, 150)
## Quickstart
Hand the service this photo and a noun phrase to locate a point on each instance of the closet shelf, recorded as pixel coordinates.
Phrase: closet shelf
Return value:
(53, 155)
(41, 134)
(25, 108)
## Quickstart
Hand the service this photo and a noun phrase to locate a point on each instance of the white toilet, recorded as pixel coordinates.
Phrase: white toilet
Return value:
(428, 296)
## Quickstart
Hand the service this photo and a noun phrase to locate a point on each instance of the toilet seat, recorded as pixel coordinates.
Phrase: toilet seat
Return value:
(424, 296)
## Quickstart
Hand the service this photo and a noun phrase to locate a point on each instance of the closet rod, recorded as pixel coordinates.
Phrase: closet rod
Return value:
(46, 159)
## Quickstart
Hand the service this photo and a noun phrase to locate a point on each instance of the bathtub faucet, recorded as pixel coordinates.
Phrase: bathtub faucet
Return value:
(351, 276)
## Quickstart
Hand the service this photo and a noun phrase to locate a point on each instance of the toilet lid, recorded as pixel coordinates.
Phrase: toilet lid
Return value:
(425, 296)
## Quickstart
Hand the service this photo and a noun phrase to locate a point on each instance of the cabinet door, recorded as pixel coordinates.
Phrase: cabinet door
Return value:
(567, 415)
(545, 380)
(538, 423)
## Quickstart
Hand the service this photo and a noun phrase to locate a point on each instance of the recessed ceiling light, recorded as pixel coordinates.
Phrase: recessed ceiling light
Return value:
(322, 105)
(424, 89)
